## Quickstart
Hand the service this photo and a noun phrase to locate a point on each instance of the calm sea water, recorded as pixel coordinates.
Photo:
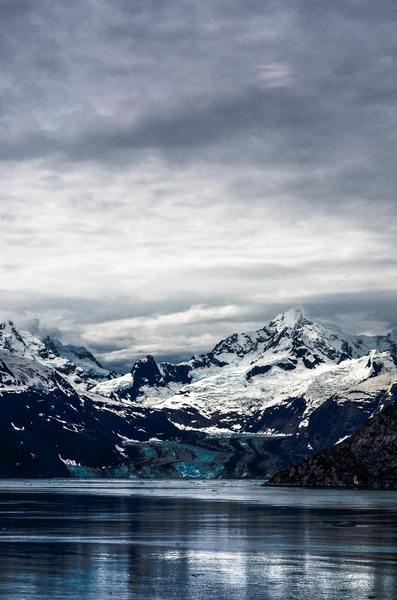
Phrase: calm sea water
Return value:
(194, 540)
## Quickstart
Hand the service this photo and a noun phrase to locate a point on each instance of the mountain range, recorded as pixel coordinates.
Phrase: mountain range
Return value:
(253, 405)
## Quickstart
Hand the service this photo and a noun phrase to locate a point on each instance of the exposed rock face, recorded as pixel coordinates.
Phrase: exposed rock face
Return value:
(176, 373)
(146, 372)
(367, 459)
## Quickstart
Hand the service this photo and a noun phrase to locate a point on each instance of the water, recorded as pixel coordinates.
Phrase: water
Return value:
(194, 540)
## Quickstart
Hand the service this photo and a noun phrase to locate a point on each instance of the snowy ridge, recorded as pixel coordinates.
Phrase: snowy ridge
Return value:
(76, 364)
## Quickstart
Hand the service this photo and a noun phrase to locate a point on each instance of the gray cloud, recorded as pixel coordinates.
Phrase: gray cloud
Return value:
(161, 156)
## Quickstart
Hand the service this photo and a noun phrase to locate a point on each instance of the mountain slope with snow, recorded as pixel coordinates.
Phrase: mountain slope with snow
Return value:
(46, 425)
(367, 459)
(77, 364)
(291, 365)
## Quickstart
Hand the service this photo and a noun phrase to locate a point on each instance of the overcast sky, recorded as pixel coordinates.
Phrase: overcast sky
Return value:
(172, 171)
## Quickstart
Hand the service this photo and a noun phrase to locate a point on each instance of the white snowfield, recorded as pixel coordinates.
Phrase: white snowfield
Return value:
(18, 374)
(289, 358)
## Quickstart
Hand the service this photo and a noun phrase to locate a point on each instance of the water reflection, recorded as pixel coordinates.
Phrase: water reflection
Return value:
(195, 543)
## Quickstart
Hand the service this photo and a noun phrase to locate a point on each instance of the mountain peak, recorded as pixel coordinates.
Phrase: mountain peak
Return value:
(289, 318)
(76, 363)
(8, 326)
(145, 371)
(11, 337)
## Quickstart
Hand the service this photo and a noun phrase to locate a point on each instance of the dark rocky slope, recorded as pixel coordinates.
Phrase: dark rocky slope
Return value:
(368, 459)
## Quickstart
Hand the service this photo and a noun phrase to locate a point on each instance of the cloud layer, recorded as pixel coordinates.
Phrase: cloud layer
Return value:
(174, 170)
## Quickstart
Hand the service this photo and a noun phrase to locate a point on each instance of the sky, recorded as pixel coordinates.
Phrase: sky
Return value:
(173, 171)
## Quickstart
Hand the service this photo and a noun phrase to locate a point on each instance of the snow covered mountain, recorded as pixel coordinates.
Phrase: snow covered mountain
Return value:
(253, 405)
(269, 381)
(77, 364)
